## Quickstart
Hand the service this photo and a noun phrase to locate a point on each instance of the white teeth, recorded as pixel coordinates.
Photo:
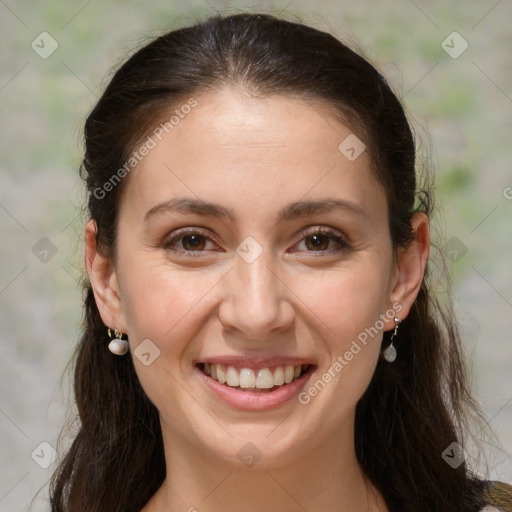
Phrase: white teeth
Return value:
(288, 373)
(265, 379)
(221, 375)
(248, 378)
(233, 377)
(279, 376)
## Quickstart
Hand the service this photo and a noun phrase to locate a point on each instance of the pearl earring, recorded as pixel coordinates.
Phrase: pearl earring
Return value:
(389, 353)
(117, 346)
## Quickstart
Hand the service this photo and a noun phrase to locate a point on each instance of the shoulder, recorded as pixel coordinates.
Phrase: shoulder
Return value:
(497, 496)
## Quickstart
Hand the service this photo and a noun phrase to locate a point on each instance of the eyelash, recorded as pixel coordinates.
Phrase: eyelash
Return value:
(332, 235)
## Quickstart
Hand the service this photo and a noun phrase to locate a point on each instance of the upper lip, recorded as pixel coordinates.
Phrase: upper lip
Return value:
(255, 362)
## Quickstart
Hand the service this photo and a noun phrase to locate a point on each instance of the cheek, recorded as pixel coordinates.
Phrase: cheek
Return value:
(349, 306)
(345, 300)
(160, 303)
(169, 308)
(335, 309)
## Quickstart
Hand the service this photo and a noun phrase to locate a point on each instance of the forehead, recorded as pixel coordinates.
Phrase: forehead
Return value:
(250, 153)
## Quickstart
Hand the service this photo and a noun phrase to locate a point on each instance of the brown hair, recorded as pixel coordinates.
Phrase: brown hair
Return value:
(412, 410)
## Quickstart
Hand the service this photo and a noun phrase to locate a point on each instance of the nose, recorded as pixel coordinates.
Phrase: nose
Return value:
(257, 299)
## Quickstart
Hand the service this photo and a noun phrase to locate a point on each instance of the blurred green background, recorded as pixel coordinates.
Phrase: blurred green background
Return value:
(460, 106)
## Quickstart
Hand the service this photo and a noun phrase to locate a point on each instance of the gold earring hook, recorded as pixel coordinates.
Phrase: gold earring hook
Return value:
(397, 323)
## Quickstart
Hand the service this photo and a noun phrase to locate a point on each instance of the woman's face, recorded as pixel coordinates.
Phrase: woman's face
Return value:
(237, 272)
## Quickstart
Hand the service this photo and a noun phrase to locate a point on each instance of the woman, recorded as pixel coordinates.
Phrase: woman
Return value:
(257, 252)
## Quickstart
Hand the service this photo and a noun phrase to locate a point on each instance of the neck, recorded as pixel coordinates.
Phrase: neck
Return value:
(327, 477)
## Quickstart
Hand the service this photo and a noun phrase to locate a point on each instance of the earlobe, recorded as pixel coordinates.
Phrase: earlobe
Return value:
(412, 261)
(103, 279)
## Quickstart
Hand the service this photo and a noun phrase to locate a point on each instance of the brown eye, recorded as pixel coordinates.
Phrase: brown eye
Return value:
(319, 242)
(188, 243)
(319, 239)
(193, 242)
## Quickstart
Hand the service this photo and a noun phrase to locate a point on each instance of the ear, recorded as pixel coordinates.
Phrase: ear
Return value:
(103, 279)
(410, 266)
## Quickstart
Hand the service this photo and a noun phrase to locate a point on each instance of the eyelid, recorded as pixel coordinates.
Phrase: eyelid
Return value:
(331, 233)
(181, 233)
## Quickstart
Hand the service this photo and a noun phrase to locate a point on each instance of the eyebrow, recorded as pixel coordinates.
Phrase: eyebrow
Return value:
(289, 212)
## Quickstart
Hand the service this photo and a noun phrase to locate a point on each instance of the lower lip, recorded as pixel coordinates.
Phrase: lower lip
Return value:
(257, 401)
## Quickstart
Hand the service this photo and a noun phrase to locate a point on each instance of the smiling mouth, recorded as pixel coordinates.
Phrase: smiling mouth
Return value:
(261, 380)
